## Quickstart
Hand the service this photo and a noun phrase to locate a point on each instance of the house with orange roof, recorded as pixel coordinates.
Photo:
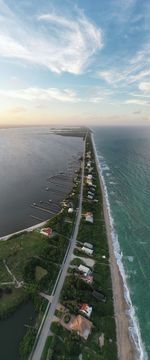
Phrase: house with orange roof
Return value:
(46, 231)
(89, 217)
(82, 326)
(86, 310)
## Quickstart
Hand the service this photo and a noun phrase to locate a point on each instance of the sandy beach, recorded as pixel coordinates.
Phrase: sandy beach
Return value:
(126, 349)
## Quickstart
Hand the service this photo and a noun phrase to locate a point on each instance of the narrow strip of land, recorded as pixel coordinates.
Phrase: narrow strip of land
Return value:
(125, 346)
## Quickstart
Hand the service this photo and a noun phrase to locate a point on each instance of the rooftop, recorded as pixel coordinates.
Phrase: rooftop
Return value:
(82, 326)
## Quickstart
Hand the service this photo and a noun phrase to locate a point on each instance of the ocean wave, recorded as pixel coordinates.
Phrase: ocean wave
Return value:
(134, 328)
(105, 167)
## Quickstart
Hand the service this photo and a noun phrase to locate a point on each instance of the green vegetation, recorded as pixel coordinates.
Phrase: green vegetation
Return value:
(46, 351)
(67, 345)
(9, 302)
(27, 343)
(40, 273)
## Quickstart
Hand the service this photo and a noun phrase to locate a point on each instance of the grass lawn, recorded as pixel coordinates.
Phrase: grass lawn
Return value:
(40, 273)
(17, 251)
(9, 302)
(4, 275)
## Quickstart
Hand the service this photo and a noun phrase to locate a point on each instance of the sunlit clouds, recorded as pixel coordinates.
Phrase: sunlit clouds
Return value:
(74, 61)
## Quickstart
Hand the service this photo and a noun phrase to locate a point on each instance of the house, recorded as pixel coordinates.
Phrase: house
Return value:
(91, 193)
(90, 246)
(89, 182)
(89, 177)
(89, 164)
(99, 296)
(89, 217)
(46, 231)
(87, 250)
(82, 326)
(70, 210)
(84, 270)
(86, 309)
(90, 197)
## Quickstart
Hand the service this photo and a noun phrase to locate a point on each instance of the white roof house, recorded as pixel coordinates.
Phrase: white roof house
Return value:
(87, 250)
(84, 269)
(90, 197)
(70, 210)
(89, 217)
(89, 176)
(89, 163)
(86, 309)
(90, 246)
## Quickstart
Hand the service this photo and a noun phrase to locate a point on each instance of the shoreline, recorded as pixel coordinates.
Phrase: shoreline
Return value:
(126, 348)
(29, 229)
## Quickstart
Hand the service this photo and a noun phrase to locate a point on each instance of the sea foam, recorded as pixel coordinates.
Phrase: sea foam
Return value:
(134, 328)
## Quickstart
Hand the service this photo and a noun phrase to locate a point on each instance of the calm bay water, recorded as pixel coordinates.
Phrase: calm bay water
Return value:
(28, 157)
(124, 156)
(13, 329)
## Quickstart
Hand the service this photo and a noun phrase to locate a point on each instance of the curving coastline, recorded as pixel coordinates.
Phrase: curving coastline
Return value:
(129, 341)
(29, 229)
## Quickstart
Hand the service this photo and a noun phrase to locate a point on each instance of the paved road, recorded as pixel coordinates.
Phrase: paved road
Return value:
(61, 278)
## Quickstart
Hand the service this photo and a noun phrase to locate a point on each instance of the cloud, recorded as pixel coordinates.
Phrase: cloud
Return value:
(97, 94)
(108, 76)
(138, 102)
(139, 76)
(17, 110)
(145, 87)
(59, 43)
(39, 94)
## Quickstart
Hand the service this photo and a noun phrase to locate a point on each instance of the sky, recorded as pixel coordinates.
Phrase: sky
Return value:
(74, 62)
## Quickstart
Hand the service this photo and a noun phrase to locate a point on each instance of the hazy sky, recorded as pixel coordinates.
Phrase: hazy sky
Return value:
(74, 61)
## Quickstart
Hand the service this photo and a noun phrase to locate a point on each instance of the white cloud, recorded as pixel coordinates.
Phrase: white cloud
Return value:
(138, 102)
(142, 74)
(97, 94)
(108, 76)
(59, 43)
(145, 87)
(38, 94)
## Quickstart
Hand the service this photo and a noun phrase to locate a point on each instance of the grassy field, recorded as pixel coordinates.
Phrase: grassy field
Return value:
(64, 344)
(17, 251)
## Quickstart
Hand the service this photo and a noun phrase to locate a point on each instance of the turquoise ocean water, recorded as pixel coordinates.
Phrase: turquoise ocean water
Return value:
(124, 157)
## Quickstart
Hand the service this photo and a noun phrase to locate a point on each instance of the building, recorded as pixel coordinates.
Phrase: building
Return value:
(82, 326)
(89, 182)
(89, 217)
(46, 231)
(90, 246)
(99, 296)
(89, 176)
(89, 164)
(84, 270)
(90, 197)
(87, 250)
(91, 192)
(70, 210)
(86, 310)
